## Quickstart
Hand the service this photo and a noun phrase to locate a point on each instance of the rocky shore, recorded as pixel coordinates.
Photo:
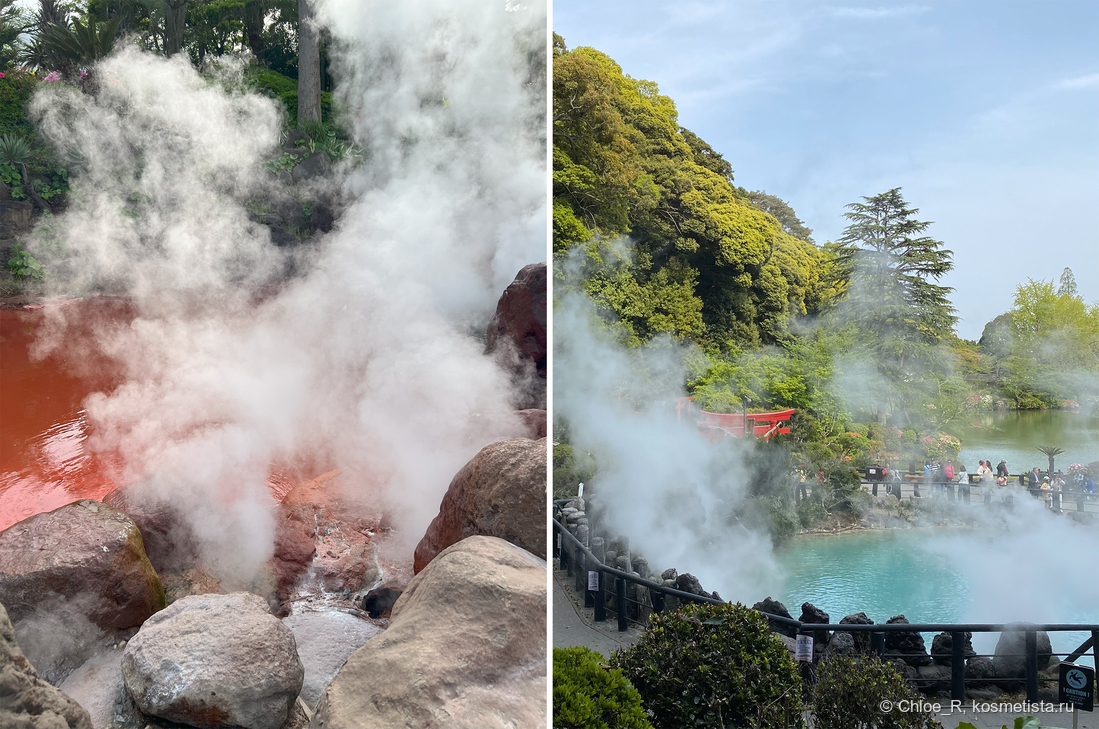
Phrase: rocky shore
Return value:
(110, 617)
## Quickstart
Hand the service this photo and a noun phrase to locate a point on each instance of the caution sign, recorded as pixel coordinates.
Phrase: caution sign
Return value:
(803, 651)
(593, 581)
(1077, 686)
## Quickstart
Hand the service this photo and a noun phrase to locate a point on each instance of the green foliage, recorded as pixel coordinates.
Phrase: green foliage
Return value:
(13, 178)
(284, 163)
(285, 89)
(810, 511)
(14, 21)
(705, 264)
(849, 692)
(713, 666)
(15, 92)
(22, 265)
(570, 469)
(587, 695)
(15, 151)
(80, 45)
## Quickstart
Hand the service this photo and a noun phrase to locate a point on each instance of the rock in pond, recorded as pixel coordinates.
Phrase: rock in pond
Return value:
(1009, 659)
(501, 493)
(517, 333)
(215, 661)
(466, 647)
(84, 550)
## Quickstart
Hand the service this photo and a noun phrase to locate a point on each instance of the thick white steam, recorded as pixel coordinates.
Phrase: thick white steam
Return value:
(662, 484)
(362, 359)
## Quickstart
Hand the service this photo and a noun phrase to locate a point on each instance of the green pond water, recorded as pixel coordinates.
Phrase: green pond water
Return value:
(1015, 436)
(940, 576)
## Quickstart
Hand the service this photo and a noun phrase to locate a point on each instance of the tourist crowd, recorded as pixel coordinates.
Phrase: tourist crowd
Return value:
(941, 480)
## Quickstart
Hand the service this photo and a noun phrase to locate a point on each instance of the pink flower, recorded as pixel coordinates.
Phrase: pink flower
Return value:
(52, 77)
(83, 74)
(1, 74)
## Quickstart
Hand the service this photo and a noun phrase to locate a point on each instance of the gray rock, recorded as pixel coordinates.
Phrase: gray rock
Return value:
(232, 664)
(26, 701)
(774, 607)
(841, 644)
(942, 647)
(909, 645)
(861, 638)
(933, 678)
(325, 640)
(669, 574)
(981, 670)
(466, 647)
(1009, 658)
(97, 686)
(810, 613)
(283, 238)
(317, 164)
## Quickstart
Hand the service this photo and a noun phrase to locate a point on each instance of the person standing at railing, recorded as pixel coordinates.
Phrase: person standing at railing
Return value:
(1046, 489)
(1058, 487)
(1001, 469)
(984, 478)
(963, 484)
(1003, 490)
(948, 479)
(1034, 482)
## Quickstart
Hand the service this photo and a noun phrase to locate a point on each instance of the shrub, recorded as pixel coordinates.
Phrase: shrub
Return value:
(849, 693)
(22, 265)
(588, 695)
(810, 511)
(713, 666)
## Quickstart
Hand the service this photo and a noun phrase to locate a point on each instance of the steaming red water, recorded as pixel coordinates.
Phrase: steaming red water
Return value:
(44, 459)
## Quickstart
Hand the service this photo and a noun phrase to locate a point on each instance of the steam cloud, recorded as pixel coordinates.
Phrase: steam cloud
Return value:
(663, 485)
(362, 358)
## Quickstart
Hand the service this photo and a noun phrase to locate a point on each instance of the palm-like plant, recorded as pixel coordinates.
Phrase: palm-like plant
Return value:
(1051, 452)
(16, 151)
(84, 43)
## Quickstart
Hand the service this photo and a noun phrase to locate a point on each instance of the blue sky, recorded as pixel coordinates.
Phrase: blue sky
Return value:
(985, 112)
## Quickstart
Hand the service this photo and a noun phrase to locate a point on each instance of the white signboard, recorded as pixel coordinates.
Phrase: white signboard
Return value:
(804, 650)
(593, 580)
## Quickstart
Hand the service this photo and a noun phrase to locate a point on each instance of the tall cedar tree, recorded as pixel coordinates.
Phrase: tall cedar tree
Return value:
(891, 295)
(892, 267)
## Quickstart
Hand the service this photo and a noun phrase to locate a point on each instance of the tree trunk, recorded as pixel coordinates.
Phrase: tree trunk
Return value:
(309, 66)
(175, 20)
(254, 12)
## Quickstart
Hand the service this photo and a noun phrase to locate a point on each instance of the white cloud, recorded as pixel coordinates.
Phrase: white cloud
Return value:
(876, 13)
(1080, 82)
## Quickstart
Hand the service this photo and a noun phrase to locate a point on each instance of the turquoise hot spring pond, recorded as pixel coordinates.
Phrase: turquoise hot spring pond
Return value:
(921, 574)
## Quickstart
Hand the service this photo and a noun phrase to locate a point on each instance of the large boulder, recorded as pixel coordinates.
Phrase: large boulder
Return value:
(213, 661)
(1009, 658)
(26, 701)
(86, 553)
(517, 333)
(774, 607)
(862, 639)
(908, 645)
(942, 648)
(810, 613)
(501, 493)
(466, 648)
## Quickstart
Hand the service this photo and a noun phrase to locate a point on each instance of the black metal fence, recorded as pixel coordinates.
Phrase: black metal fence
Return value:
(579, 562)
